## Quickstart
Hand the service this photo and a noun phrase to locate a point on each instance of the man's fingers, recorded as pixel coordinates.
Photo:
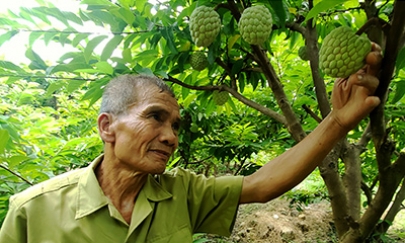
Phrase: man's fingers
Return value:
(372, 102)
(368, 81)
(375, 47)
(373, 59)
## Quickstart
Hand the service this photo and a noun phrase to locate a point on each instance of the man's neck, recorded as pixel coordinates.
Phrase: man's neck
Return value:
(120, 185)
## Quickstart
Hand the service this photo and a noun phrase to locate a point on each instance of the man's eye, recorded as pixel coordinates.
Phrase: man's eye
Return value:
(156, 116)
(176, 126)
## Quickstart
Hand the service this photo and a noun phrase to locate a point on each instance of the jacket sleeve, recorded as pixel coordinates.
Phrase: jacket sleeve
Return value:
(14, 228)
(213, 203)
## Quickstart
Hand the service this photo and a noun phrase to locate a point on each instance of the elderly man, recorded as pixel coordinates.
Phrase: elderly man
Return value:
(125, 195)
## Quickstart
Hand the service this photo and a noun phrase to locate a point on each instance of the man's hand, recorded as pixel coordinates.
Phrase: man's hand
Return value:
(352, 98)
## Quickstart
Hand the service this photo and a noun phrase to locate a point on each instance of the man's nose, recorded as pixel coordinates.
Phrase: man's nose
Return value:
(169, 135)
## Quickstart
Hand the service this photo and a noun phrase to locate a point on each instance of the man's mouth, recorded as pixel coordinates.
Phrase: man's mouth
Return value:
(162, 153)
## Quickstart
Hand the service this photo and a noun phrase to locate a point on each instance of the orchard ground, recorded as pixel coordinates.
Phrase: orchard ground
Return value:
(279, 221)
(303, 215)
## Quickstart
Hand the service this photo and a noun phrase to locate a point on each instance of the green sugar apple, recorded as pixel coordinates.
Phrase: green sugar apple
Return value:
(198, 61)
(205, 25)
(255, 24)
(302, 53)
(343, 52)
(220, 97)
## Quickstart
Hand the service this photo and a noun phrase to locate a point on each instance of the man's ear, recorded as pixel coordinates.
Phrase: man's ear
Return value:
(105, 127)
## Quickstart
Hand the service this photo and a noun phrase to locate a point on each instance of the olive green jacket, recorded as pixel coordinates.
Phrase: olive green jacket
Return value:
(72, 208)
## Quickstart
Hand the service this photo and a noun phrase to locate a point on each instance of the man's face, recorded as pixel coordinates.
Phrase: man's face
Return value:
(147, 135)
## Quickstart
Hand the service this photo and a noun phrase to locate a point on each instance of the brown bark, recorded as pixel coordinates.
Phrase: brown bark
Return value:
(311, 41)
(393, 210)
(336, 191)
(394, 41)
(352, 180)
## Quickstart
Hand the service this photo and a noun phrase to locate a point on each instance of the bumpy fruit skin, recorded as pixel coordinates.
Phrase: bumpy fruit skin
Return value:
(302, 53)
(205, 25)
(220, 97)
(343, 52)
(255, 24)
(198, 61)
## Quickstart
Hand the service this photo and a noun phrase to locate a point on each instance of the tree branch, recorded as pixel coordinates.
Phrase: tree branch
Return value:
(394, 38)
(16, 174)
(265, 111)
(319, 83)
(312, 114)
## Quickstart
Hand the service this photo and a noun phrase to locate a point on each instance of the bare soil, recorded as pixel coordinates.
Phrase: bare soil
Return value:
(279, 221)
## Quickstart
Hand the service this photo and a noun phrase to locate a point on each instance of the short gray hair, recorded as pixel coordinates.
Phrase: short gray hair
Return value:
(122, 91)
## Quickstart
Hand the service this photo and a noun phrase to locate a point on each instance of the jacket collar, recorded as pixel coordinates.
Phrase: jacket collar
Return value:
(90, 196)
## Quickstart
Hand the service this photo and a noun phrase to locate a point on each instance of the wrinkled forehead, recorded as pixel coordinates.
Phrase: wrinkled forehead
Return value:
(152, 95)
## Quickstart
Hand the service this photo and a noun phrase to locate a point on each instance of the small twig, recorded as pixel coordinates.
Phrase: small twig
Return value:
(311, 113)
(16, 174)
(199, 161)
(372, 22)
(367, 192)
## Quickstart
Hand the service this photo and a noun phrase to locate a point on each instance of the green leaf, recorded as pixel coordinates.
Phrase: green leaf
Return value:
(399, 91)
(71, 67)
(63, 38)
(26, 14)
(49, 35)
(146, 57)
(232, 41)
(124, 14)
(4, 137)
(278, 7)
(16, 160)
(72, 17)
(78, 38)
(33, 37)
(400, 63)
(37, 62)
(169, 37)
(323, 6)
(11, 66)
(54, 87)
(96, 91)
(11, 24)
(140, 5)
(110, 47)
(127, 55)
(104, 67)
(74, 85)
(40, 14)
(237, 66)
(7, 36)
(91, 45)
(143, 70)
(54, 12)
(104, 3)
(126, 3)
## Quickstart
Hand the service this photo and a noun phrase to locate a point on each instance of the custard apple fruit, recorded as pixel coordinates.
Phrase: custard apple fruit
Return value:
(343, 52)
(302, 53)
(220, 97)
(198, 61)
(255, 24)
(205, 25)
